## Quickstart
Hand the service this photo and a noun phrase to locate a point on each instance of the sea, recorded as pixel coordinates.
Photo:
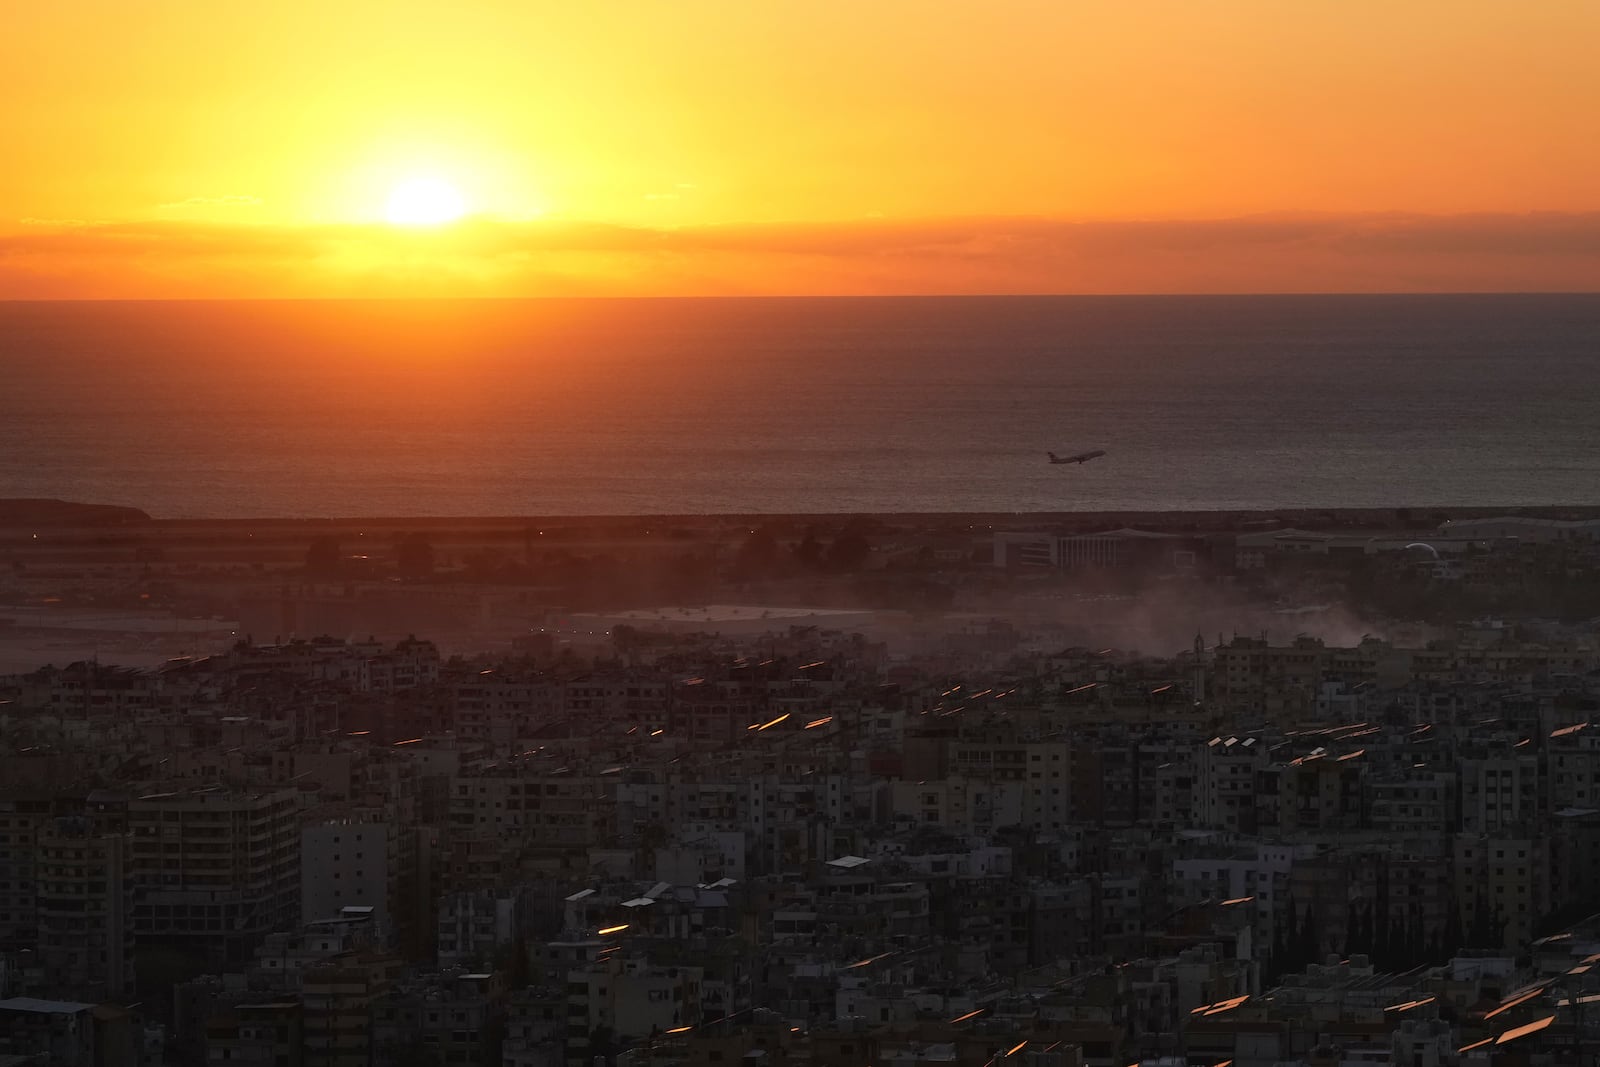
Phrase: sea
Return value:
(737, 406)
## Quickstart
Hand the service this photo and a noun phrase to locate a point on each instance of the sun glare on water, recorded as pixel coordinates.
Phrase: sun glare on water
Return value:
(424, 202)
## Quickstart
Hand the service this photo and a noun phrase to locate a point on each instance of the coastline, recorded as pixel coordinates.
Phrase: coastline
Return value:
(1306, 516)
(282, 541)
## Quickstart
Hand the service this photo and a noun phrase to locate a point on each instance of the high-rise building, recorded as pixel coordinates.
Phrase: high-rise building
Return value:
(338, 998)
(85, 909)
(217, 870)
(361, 858)
(345, 862)
(20, 820)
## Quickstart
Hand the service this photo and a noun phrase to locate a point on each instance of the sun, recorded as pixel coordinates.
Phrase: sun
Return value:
(424, 202)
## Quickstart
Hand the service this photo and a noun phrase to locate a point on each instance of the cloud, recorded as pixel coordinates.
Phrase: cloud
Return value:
(1267, 253)
(214, 201)
(55, 224)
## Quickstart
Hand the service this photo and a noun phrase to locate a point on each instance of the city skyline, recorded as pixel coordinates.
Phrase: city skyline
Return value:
(1092, 560)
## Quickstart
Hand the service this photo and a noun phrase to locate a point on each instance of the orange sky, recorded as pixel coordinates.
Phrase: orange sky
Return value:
(182, 149)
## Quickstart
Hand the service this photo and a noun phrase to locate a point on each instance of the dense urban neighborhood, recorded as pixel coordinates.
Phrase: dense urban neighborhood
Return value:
(957, 817)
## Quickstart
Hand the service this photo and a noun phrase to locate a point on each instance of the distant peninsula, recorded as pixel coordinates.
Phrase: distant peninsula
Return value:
(16, 511)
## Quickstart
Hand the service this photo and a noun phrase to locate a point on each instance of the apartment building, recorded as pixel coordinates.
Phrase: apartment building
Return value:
(338, 998)
(1502, 882)
(85, 909)
(217, 870)
(20, 821)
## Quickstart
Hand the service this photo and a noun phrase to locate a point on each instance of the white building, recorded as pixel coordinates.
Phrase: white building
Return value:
(1526, 529)
(343, 863)
(717, 619)
(1225, 783)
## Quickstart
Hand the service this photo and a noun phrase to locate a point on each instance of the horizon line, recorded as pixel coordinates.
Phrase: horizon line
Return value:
(597, 297)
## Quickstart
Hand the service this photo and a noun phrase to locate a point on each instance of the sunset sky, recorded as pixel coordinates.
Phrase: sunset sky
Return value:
(188, 149)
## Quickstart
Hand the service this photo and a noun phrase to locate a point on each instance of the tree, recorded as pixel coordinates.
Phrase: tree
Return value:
(324, 558)
(808, 553)
(415, 556)
(1488, 925)
(626, 639)
(512, 961)
(491, 565)
(1308, 943)
(1453, 936)
(1358, 932)
(850, 549)
(757, 555)
(602, 1044)
(1288, 950)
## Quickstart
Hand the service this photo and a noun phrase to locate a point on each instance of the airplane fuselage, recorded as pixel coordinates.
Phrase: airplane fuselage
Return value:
(1081, 457)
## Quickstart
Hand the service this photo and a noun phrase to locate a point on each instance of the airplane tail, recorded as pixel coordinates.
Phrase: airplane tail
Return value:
(1052, 456)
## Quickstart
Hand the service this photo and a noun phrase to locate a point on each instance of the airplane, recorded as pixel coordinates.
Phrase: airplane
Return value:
(1081, 457)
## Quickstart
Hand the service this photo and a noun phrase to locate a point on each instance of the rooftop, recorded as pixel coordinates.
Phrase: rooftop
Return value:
(723, 613)
(44, 1007)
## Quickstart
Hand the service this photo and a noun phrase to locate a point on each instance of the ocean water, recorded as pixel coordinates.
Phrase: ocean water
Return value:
(345, 408)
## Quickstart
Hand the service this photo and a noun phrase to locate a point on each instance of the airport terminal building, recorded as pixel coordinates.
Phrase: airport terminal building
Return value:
(1112, 549)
